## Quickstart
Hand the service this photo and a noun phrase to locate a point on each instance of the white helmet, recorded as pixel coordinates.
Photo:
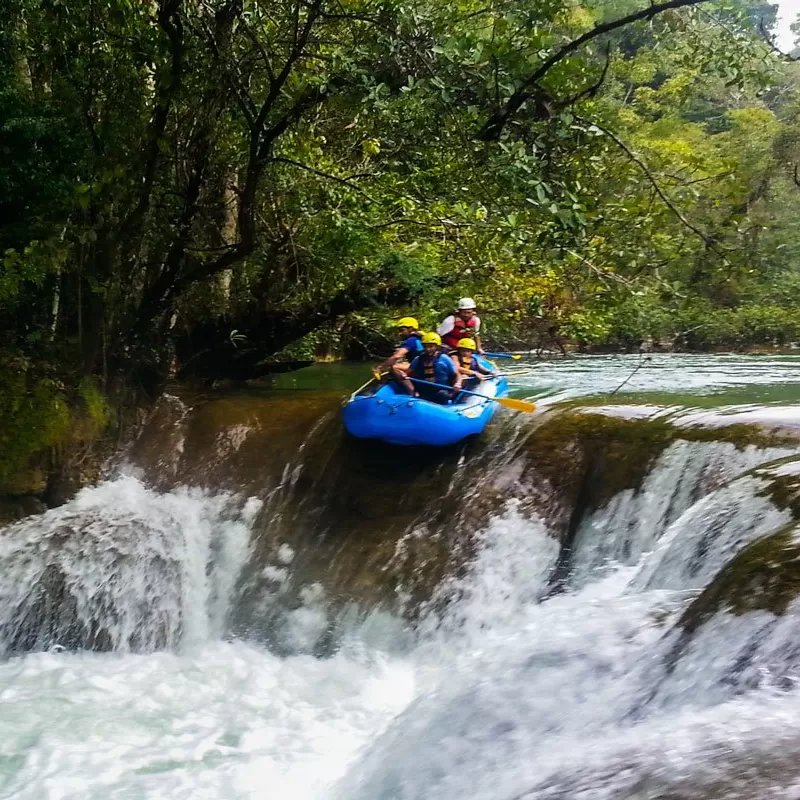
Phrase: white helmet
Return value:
(465, 303)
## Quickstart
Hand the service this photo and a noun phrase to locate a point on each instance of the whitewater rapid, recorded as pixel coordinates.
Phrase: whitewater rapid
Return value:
(504, 694)
(156, 648)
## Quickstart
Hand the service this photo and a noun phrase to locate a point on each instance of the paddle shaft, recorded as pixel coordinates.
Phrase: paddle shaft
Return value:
(503, 355)
(507, 402)
(364, 386)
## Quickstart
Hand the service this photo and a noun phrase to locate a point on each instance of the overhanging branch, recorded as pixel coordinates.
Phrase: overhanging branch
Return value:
(497, 122)
(709, 242)
(345, 180)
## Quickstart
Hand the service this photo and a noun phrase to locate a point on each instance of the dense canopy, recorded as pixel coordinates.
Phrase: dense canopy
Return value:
(193, 186)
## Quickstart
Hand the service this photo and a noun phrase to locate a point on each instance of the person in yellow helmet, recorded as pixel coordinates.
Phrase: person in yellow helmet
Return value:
(468, 366)
(406, 351)
(433, 366)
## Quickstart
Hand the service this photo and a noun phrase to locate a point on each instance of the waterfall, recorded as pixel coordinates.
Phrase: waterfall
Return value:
(122, 567)
(634, 521)
(579, 694)
(264, 608)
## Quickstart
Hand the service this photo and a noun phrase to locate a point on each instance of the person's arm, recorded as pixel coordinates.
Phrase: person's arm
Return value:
(403, 351)
(404, 377)
(398, 354)
(448, 323)
(455, 377)
(459, 369)
(480, 370)
(477, 335)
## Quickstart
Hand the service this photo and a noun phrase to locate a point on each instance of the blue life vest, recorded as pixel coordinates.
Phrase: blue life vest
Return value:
(440, 369)
(413, 345)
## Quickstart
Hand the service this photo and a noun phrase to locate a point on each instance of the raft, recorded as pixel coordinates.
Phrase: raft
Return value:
(397, 418)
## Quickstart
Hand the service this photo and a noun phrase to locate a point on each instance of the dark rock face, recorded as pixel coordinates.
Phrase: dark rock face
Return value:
(14, 508)
(367, 525)
(764, 576)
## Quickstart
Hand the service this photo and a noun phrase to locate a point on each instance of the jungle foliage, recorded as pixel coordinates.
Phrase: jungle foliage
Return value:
(192, 186)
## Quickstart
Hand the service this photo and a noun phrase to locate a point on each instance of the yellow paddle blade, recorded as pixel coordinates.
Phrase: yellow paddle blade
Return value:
(517, 405)
(516, 358)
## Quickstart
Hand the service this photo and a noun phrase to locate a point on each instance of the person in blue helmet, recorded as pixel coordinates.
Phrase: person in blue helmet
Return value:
(433, 366)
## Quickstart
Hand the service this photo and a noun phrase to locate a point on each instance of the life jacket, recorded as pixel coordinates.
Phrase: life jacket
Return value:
(413, 344)
(460, 331)
(466, 361)
(435, 370)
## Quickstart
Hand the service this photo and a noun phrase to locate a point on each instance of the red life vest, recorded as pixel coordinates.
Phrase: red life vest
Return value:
(460, 331)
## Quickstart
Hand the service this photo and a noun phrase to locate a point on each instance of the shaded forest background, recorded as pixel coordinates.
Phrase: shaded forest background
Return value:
(200, 188)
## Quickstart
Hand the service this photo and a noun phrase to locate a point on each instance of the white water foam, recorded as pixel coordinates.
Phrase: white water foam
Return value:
(228, 721)
(709, 534)
(633, 521)
(504, 695)
(123, 567)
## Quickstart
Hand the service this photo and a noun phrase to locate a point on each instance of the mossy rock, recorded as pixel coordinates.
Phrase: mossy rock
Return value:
(52, 435)
(765, 576)
(15, 508)
(618, 452)
(784, 484)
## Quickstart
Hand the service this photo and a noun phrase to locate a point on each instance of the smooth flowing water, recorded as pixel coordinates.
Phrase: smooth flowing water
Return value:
(165, 640)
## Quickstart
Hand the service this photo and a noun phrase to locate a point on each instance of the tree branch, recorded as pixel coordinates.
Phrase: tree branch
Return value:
(169, 20)
(496, 123)
(345, 180)
(709, 241)
(768, 41)
(243, 99)
(592, 89)
(601, 274)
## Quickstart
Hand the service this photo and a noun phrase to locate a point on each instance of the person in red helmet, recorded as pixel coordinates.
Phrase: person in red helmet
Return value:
(464, 323)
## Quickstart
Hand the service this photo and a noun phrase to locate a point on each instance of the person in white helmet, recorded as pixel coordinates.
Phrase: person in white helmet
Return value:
(464, 323)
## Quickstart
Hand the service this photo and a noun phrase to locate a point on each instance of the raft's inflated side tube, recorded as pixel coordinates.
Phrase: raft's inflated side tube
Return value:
(400, 419)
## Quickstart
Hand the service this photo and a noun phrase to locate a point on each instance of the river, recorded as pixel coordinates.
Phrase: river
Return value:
(596, 602)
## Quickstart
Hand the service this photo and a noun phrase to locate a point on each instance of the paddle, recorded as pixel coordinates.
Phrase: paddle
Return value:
(503, 355)
(376, 376)
(507, 402)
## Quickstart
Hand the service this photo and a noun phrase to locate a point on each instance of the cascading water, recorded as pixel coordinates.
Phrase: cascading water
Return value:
(635, 520)
(319, 622)
(123, 568)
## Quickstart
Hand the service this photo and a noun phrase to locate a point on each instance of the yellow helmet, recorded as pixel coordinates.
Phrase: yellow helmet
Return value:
(407, 322)
(432, 338)
(467, 344)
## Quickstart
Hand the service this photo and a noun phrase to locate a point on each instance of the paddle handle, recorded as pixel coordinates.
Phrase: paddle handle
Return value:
(524, 406)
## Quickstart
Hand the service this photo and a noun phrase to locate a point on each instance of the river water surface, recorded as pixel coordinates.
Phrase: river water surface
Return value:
(176, 639)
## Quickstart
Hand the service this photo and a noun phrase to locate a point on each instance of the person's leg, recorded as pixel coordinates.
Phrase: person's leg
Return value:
(400, 375)
(441, 396)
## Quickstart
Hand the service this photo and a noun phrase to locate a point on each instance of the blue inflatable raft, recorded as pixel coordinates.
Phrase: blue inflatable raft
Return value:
(401, 419)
